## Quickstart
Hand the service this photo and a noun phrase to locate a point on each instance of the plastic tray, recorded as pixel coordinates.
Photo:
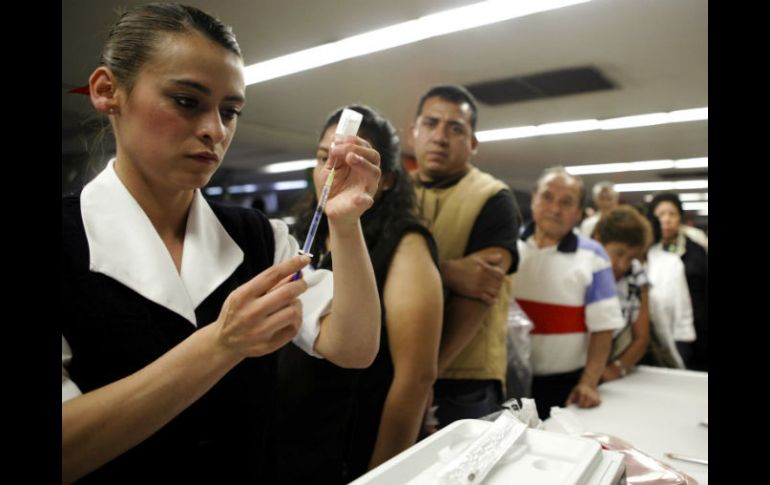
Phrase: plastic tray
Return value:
(538, 457)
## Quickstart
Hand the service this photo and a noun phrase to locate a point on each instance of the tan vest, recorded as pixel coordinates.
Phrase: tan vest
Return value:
(450, 214)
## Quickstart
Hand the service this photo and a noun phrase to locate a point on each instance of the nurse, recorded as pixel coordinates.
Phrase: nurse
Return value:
(173, 305)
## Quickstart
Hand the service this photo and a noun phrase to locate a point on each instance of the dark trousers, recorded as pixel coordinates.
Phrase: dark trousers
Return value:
(465, 399)
(553, 390)
(687, 352)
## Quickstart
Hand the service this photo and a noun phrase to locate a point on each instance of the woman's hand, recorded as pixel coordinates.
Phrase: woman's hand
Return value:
(263, 314)
(356, 176)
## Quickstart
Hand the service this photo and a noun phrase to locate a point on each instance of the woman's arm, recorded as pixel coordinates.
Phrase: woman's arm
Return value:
(414, 312)
(639, 341)
(257, 318)
(350, 333)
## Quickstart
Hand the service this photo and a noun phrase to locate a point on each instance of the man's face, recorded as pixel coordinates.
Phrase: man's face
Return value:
(606, 200)
(442, 139)
(621, 254)
(556, 206)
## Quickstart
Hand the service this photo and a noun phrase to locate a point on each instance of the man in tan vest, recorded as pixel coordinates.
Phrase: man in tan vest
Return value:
(475, 221)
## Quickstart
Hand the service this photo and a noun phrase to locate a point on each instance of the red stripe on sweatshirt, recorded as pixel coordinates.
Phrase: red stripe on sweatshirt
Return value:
(554, 319)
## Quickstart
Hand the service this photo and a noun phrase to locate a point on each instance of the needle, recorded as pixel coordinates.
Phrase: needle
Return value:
(348, 125)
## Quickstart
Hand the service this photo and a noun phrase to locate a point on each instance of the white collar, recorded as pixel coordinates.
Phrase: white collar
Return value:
(124, 245)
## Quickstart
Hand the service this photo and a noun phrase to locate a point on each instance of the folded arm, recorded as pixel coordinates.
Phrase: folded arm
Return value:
(463, 315)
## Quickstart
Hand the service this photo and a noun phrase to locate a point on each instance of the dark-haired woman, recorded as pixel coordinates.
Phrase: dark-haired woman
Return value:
(172, 305)
(337, 423)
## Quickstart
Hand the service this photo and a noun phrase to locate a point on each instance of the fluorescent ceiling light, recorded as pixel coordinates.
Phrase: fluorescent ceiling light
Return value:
(441, 23)
(252, 188)
(242, 189)
(660, 186)
(637, 166)
(694, 196)
(619, 167)
(692, 163)
(686, 197)
(695, 206)
(290, 185)
(636, 121)
(294, 166)
(653, 119)
(214, 190)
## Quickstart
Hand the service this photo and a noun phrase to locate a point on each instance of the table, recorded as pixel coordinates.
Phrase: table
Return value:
(656, 410)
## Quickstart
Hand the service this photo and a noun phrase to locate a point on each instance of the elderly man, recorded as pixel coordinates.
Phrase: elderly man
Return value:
(605, 199)
(566, 286)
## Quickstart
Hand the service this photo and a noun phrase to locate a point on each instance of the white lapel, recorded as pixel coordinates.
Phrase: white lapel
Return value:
(124, 245)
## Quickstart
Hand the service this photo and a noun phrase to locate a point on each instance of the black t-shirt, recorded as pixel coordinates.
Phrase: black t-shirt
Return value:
(328, 418)
(497, 225)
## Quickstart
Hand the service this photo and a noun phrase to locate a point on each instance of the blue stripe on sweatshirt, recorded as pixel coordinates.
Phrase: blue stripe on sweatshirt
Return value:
(602, 286)
(594, 246)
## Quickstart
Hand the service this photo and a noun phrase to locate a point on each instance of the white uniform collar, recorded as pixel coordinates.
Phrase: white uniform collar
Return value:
(124, 245)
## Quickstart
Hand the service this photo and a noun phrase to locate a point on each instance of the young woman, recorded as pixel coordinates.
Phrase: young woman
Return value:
(173, 305)
(337, 423)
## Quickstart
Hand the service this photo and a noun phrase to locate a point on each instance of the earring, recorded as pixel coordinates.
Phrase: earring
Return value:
(111, 111)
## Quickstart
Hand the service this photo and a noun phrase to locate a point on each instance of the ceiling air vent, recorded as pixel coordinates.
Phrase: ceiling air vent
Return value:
(541, 85)
(683, 174)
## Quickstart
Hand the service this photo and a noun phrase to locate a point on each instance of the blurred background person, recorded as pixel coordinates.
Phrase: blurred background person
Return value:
(604, 198)
(667, 209)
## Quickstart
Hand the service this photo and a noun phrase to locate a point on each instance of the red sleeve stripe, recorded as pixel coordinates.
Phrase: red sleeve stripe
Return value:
(554, 319)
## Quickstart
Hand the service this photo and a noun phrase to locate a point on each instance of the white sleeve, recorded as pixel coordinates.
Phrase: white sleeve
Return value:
(68, 388)
(316, 301)
(602, 306)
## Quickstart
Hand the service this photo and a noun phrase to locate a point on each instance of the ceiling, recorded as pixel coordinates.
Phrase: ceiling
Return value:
(655, 51)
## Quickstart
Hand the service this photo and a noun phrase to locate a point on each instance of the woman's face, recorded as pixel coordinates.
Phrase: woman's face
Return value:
(173, 129)
(669, 218)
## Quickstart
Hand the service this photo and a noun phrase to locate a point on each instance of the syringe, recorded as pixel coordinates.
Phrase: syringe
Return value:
(348, 125)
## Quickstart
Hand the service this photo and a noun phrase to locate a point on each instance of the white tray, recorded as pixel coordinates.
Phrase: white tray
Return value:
(538, 458)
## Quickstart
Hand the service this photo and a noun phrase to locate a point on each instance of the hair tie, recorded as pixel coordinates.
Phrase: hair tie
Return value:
(81, 90)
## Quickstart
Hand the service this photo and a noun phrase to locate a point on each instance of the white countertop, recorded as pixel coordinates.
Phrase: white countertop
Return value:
(657, 411)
